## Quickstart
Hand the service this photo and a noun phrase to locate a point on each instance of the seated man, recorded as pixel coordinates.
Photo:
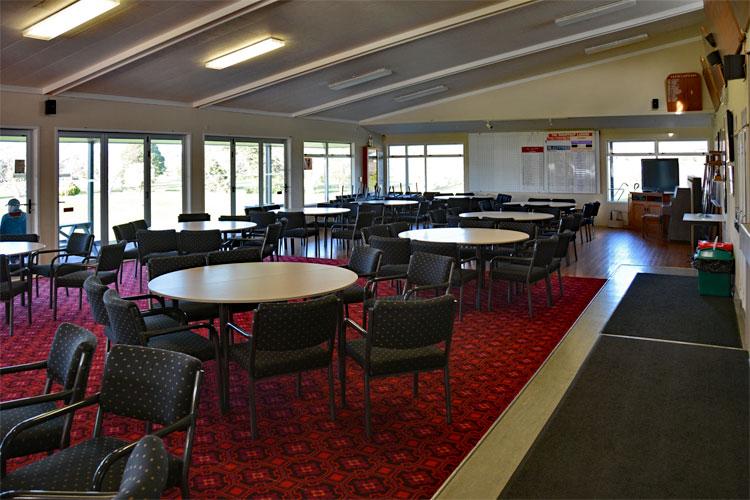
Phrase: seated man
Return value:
(14, 222)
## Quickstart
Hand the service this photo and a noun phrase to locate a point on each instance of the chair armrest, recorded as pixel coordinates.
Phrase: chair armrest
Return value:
(357, 327)
(40, 419)
(239, 330)
(181, 328)
(145, 296)
(122, 451)
(416, 289)
(42, 398)
(37, 365)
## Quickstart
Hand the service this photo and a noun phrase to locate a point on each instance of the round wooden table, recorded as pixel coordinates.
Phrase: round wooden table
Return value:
(247, 283)
(551, 204)
(477, 237)
(516, 216)
(225, 226)
(20, 247)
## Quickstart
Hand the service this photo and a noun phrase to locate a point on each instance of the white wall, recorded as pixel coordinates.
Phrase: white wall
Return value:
(22, 110)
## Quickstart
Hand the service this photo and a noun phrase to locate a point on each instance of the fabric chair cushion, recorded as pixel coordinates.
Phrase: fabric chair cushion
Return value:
(186, 342)
(198, 311)
(76, 278)
(269, 363)
(392, 270)
(462, 275)
(154, 255)
(517, 272)
(159, 322)
(352, 295)
(42, 437)
(384, 361)
(71, 469)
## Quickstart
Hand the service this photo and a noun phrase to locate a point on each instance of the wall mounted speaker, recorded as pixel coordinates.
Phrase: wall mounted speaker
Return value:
(734, 67)
(714, 57)
(654, 103)
(50, 107)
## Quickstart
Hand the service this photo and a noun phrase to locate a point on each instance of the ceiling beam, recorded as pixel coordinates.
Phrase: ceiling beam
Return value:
(686, 8)
(362, 50)
(155, 44)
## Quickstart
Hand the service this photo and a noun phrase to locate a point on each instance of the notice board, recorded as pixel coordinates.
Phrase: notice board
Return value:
(534, 162)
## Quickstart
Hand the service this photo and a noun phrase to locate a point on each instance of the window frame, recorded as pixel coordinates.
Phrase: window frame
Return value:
(425, 156)
(611, 189)
(327, 156)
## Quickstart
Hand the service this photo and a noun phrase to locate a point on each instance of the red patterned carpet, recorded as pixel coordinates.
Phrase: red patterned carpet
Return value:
(301, 453)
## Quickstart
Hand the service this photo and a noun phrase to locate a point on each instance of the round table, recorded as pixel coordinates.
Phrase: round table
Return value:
(20, 247)
(388, 203)
(551, 204)
(225, 226)
(470, 236)
(515, 216)
(246, 283)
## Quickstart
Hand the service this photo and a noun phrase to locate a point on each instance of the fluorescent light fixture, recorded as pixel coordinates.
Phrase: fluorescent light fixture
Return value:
(245, 53)
(68, 18)
(357, 80)
(420, 93)
(595, 12)
(617, 43)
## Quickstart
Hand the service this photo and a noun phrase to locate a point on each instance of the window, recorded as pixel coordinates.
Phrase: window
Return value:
(624, 161)
(430, 167)
(330, 172)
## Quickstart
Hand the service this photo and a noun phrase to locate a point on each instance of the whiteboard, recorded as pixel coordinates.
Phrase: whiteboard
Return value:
(534, 162)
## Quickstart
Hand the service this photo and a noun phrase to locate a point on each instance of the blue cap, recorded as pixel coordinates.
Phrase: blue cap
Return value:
(13, 202)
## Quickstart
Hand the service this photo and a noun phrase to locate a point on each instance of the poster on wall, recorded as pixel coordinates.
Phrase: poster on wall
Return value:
(684, 92)
(532, 167)
(571, 162)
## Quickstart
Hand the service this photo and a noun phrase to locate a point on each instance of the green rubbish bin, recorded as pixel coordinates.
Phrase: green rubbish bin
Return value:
(715, 268)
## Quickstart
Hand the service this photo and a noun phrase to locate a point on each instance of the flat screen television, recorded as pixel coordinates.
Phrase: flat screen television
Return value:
(662, 175)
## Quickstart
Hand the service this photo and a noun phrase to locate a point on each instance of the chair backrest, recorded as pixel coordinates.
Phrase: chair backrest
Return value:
(597, 204)
(33, 238)
(395, 250)
(95, 296)
(295, 325)
(365, 260)
(525, 227)
(588, 210)
(563, 244)
(110, 257)
(194, 242)
(146, 470)
(273, 233)
(165, 240)
(120, 231)
(197, 217)
(125, 321)
(164, 265)
(544, 251)
(478, 223)
(564, 200)
(540, 199)
(453, 220)
(436, 248)
(80, 244)
(555, 212)
(572, 222)
(262, 219)
(139, 224)
(396, 228)
(429, 269)
(154, 385)
(412, 324)
(246, 254)
(437, 216)
(71, 343)
(503, 198)
(4, 270)
(380, 230)
(239, 218)
(364, 219)
(294, 220)
(486, 205)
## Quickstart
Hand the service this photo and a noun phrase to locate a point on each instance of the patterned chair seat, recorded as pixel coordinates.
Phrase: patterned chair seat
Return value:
(198, 311)
(155, 255)
(462, 275)
(35, 439)
(392, 270)
(46, 269)
(269, 363)
(384, 360)
(76, 278)
(160, 322)
(352, 295)
(72, 469)
(186, 342)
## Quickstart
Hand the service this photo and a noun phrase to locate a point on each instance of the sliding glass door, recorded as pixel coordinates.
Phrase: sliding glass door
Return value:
(243, 172)
(141, 176)
(16, 171)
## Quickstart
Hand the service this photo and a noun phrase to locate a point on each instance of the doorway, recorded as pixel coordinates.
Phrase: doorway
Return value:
(17, 172)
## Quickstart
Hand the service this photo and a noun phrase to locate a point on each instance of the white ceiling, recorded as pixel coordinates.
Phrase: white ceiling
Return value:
(156, 49)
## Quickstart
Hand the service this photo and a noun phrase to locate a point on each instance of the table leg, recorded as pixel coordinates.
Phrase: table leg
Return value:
(480, 277)
(223, 362)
